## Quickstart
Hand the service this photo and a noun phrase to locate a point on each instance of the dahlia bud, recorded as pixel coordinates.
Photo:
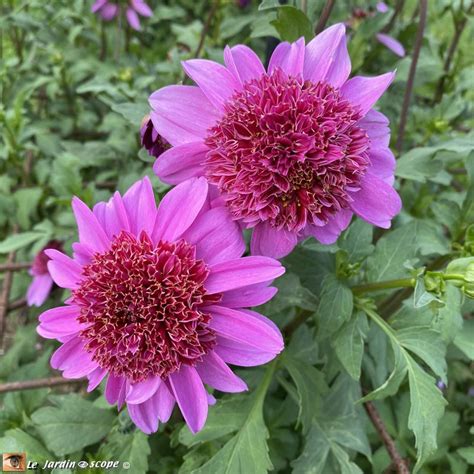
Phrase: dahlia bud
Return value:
(151, 140)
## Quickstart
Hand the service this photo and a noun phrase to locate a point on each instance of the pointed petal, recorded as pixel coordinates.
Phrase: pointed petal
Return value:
(392, 44)
(95, 378)
(115, 389)
(217, 237)
(364, 92)
(376, 202)
(142, 8)
(326, 55)
(133, 19)
(145, 415)
(91, 232)
(182, 114)
(139, 201)
(217, 83)
(142, 391)
(237, 353)
(191, 396)
(289, 58)
(179, 208)
(39, 290)
(65, 271)
(247, 297)
(272, 242)
(329, 233)
(165, 402)
(244, 327)
(215, 372)
(72, 359)
(60, 321)
(243, 63)
(242, 272)
(181, 162)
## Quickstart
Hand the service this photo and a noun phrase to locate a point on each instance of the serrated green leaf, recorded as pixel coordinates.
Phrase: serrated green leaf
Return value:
(335, 306)
(292, 24)
(132, 112)
(348, 343)
(72, 425)
(357, 240)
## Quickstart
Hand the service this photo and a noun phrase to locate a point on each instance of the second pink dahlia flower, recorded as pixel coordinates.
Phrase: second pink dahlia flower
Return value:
(294, 150)
(108, 10)
(157, 306)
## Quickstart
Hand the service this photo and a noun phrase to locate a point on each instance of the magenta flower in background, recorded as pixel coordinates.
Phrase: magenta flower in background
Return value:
(42, 283)
(294, 150)
(157, 303)
(391, 43)
(153, 143)
(108, 10)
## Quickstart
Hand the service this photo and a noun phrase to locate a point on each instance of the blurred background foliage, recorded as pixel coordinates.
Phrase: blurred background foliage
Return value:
(73, 93)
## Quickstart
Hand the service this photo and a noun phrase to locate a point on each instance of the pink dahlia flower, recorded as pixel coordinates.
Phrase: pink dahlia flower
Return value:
(108, 10)
(294, 150)
(157, 306)
(42, 283)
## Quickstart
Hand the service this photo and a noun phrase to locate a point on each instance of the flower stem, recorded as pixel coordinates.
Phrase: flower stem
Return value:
(384, 285)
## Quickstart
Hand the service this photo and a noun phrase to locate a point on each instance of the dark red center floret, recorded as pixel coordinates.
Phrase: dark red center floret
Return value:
(142, 303)
(287, 151)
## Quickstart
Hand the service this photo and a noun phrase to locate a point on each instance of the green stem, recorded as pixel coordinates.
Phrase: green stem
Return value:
(384, 285)
(453, 276)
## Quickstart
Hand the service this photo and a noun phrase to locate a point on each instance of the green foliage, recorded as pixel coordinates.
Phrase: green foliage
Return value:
(382, 315)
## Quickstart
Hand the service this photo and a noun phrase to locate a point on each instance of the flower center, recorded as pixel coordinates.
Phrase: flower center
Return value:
(287, 151)
(142, 305)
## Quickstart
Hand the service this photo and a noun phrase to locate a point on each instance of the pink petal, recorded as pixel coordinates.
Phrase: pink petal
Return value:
(109, 11)
(142, 391)
(215, 372)
(133, 19)
(272, 242)
(145, 415)
(247, 297)
(165, 402)
(327, 58)
(98, 4)
(115, 390)
(377, 127)
(289, 58)
(95, 378)
(179, 209)
(364, 92)
(73, 360)
(182, 114)
(58, 322)
(217, 237)
(115, 216)
(139, 201)
(217, 83)
(329, 233)
(191, 396)
(376, 202)
(142, 8)
(91, 232)
(242, 272)
(181, 162)
(39, 290)
(392, 44)
(65, 272)
(383, 164)
(238, 353)
(245, 328)
(244, 64)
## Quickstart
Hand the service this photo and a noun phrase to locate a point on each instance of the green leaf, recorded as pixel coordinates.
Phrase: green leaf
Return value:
(310, 384)
(247, 450)
(391, 252)
(292, 24)
(27, 200)
(128, 447)
(337, 427)
(132, 112)
(467, 454)
(335, 306)
(357, 240)
(464, 341)
(348, 343)
(72, 425)
(18, 241)
(18, 440)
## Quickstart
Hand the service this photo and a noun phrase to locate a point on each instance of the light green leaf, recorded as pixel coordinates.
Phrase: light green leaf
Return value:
(18, 241)
(18, 440)
(133, 112)
(72, 425)
(247, 450)
(292, 24)
(335, 306)
(357, 240)
(467, 454)
(464, 341)
(349, 343)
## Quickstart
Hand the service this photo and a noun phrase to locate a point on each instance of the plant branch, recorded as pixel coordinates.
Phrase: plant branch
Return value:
(411, 74)
(38, 383)
(13, 267)
(384, 285)
(17, 304)
(325, 14)
(398, 462)
(398, 9)
(4, 295)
